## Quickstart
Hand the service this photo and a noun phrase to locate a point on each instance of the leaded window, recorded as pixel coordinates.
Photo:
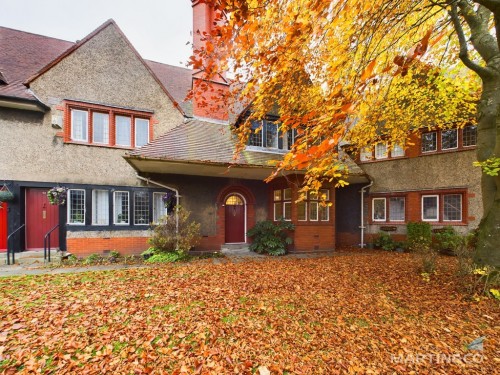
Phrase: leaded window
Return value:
(469, 136)
(449, 139)
(76, 206)
(141, 208)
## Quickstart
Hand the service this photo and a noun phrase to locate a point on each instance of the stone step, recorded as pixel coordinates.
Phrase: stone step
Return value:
(235, 249)
(33, 256)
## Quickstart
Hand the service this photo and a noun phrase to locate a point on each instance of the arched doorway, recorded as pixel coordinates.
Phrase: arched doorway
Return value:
(235, 214)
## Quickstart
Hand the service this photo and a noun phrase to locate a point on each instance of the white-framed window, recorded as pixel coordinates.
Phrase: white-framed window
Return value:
(366, 154)
(302, 211)
(122, 131)
(452, 207)
(266, 135)
(141, 132)
(271, 135)
(141, 208)
(100, 207)
(429, 142)
(313, 207)
(397, 209)
(430, 207)
(76, 206)
(469, 135)
(378, 209)
(324, 210)
(121, 208)
(100, 128)
(282, 204)
(449, 139)
(159, 209)
(397, 151)
(381, 150)
(79, 125)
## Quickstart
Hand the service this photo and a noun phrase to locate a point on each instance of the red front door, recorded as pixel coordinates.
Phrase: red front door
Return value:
(3, 226)
(235, 219)
(41, 217)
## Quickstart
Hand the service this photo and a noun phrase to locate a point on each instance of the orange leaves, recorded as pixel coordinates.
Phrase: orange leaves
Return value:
(329, 315)
(367, 73)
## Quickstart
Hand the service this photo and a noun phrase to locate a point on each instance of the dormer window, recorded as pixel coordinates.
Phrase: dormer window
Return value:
(265, 135)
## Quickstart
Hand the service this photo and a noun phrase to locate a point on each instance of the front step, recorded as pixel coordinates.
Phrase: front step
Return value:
(235, 249)
(33, 257)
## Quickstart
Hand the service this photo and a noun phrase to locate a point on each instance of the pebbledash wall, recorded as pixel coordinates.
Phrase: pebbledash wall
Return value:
(104, 70)
(416, 175)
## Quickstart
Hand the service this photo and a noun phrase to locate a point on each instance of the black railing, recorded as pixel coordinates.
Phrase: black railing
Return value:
(8, 247)
(46, 243)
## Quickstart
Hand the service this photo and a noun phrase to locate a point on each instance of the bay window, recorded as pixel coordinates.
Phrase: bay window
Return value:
(121, 207)
(76, 206)
(141, 208)
(100, 207)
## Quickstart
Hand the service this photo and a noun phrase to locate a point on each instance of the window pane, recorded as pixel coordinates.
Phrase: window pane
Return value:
(302, 211)
(159, 208)
(79, 125)
(278, 211)
(324, 213)
(123, 130)
(397, 151)
(255, 137)
(277, 195)
(76, 207)
(141, 132)
(397, 209)
(366, 154)
(287, 194)
(325, 194)
(430, 208)
(452, 207)
(429, 142)
(470, 136)
(381, 150)
(100, 125)
(449, 139)
(378, 206)
(290, 138)
(100, 207)
(288, 210)
(121, 207)
(141, 208)
(313, 211)
(271, 135)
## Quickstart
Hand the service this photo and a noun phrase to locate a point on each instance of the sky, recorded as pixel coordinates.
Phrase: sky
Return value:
(158, 29)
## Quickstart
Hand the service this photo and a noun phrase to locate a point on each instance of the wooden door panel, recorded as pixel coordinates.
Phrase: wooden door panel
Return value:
(235, 224)
(3, 226)
(41, 217)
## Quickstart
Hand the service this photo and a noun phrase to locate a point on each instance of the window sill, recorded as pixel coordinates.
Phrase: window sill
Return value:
(266, 150)
(100, 145)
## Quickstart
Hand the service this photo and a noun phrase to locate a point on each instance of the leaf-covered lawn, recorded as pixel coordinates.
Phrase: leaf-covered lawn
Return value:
(343, 314)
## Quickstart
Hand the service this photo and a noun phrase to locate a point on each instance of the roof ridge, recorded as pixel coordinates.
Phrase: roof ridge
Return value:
(170, 65)
(41, 35)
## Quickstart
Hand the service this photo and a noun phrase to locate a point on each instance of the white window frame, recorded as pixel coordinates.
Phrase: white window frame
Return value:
(463, 136)
(398, 147)
(94, 202)
(135, 130)
(114, 208)
(68, 209)
(73, 138)
(461, 208)
(149, 198)
(385, 209)
(404, 210)
(450, 148)
(116, 131)
(421, 140)
(366, 154)
(437, 207)
(93, 128)
(164, 209)
(383, 155)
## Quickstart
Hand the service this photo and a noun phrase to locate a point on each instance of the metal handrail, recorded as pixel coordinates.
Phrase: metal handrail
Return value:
(46, 240)
(13, 252)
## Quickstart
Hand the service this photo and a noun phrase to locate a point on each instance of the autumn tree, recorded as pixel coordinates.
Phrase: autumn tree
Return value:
(326, 63)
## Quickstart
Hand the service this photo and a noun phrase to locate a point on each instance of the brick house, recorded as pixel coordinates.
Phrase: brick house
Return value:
(114, 129)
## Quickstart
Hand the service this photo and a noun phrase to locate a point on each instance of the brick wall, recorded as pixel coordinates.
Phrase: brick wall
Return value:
(82, 247)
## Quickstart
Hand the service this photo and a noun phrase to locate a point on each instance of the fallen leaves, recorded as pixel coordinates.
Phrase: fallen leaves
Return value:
(333, 315)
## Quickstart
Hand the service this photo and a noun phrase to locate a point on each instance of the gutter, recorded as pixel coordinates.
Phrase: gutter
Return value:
(177, 196)
(362, 226)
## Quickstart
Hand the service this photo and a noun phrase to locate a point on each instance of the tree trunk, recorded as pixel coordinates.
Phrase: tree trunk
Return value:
(488, 244)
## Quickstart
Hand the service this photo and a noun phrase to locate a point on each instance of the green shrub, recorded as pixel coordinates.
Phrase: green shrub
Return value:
(114, 254)
(92, 259)
(447, 240)
(270, 238)
(166, 257)
(385, 241)
(175, 235)
(418, 235)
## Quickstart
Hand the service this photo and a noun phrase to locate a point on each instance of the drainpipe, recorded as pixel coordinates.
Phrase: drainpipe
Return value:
(177, 196)
(362, 226)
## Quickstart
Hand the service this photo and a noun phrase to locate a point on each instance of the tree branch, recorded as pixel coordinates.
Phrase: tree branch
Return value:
(464, 54)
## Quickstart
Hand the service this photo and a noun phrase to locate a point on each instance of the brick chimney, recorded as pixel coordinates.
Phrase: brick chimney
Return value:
(208, 94)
